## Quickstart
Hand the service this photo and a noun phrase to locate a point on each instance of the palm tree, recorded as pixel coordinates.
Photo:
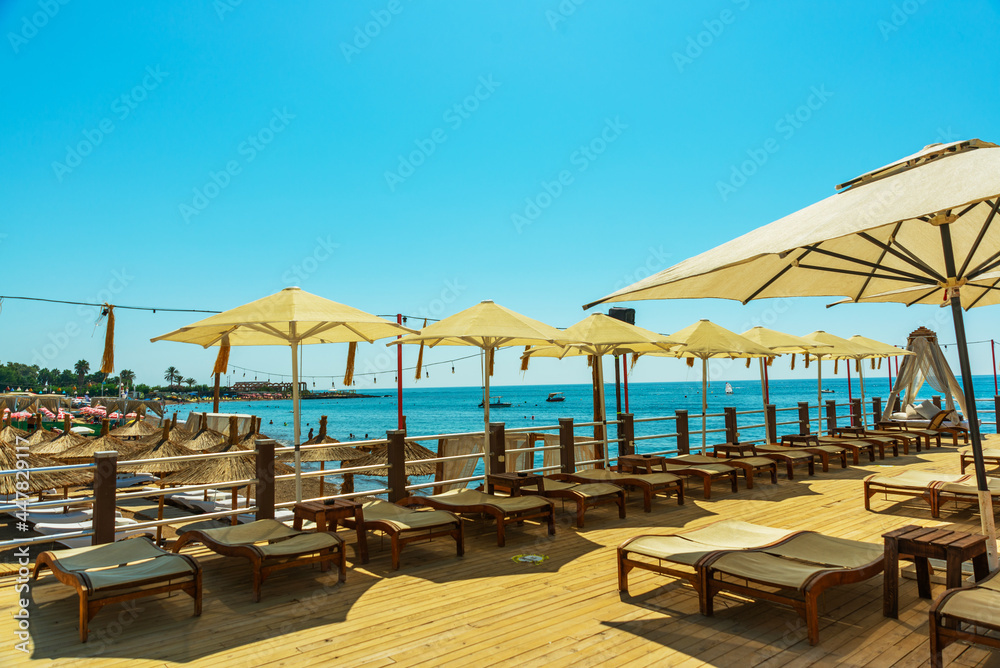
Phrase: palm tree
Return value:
(172, 373)
(126, 377)
(82, 369)
(190, 382)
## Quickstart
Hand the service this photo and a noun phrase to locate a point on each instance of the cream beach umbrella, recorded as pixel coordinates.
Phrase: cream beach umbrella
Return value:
(840, 349)
(598, 335)
(487, 326)
(881, 350)
(921, 223)
(782, 343)
(293, 318)
(704, 340)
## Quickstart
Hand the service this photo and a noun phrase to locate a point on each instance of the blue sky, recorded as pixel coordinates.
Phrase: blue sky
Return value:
(419, 157)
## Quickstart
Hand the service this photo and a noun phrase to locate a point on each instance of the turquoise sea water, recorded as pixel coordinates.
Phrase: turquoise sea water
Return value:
(451, 410)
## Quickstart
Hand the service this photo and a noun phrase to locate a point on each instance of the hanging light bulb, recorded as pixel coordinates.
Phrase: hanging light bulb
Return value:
(453, 367)
(374, 380)
(427, 374)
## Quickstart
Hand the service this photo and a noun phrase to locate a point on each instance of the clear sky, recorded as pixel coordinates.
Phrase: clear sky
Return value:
(418, 157)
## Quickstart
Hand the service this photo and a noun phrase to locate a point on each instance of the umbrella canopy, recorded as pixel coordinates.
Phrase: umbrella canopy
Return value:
(38, 481)
(335, 453)
(10, 433)
(84, 453)
(205, 438)
(135, 429)
(47, 445)
(487, 326)
(705, 340)
(838, 349)
(164, 447)
(600, 335)
(923, 222)
(292, 317)
(412, 451)
(880, 350)
(779, 342)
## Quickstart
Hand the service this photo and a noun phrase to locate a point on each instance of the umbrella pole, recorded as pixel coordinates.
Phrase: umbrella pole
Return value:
(487, 358)
(985, 497)
(819, 395)
(215, 394)
(599, 362)
(864, 411)
(763, 385)
(322, 467)
(295, 415)
(704, 404)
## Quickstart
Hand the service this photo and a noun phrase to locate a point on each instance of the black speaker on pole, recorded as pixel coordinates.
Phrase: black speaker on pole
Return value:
(623, 314)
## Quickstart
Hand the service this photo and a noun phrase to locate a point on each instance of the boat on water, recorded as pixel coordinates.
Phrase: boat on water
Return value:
(826, 391)
(729, 388)
(556, 396)
(497, 402)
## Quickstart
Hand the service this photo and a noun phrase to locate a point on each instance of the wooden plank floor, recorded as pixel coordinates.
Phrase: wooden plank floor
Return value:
(485, 609)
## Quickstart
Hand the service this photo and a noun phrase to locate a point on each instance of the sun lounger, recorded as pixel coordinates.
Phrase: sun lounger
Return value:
(269, 546)
(823, 452)
(583, 494)
(909, 483)
(708, 473)
(790, 457)
(991, 457)
(855, 446)
(975, 607)
(650, 484)
(935, 429)
(964, 490)
(902, 438)
(55, 528)
(504, 509)
(116, 572)
(793, 568)
(406, 525)
(749, 465)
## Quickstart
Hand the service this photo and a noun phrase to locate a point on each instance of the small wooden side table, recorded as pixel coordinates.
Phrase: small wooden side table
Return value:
(920, 544)
(800, 439)
(735, 450)
(640, 463)
(513, 482)
(324, 514)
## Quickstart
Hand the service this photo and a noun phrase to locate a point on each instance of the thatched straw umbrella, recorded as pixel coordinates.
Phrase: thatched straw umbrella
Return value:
(38, 481)
(225, 469)
(61, 442)
(137, 429)
(164, 447)
(205, 438)
(380, 455)
(335, 453)
(84, 453)
(10, 433)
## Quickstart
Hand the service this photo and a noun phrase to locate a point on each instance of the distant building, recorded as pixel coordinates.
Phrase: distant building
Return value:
(264, 386)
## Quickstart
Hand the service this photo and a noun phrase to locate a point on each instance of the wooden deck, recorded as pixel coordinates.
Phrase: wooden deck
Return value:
(485, 609)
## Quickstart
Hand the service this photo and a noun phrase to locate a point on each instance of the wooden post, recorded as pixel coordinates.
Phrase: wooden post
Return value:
(896, 405)
(498, 447)
(876, 409)
(856, 412)
(104, 497)
(265, 479)
(831, 416)
(804, 418)
(396, 453)
(683, 434)
(771, 423)
(567, 449)
(731, 435)
(215, 395)
(937, 401)
(626, 434)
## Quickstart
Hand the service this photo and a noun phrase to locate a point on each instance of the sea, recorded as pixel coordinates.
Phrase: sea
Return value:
(431, 411)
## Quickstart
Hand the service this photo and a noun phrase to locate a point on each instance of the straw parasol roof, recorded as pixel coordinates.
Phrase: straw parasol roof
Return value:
(222, 470)
(165, 446)
(38, 481)
(136, 429)
(335, 453)
(84, 453)
(205, 438)
(10, 433)
(58, 444)
(413, 451)
(38, 436)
